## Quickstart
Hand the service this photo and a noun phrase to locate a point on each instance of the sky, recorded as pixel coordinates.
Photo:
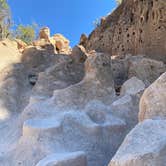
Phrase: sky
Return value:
(68, 17)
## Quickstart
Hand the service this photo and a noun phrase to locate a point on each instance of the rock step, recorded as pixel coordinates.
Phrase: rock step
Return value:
(64, 159)
(33, 127)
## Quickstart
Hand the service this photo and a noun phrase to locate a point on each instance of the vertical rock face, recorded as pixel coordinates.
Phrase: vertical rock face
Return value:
(135, 27)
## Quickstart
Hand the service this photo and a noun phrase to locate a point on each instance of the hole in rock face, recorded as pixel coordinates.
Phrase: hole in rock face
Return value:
(140, 30)
(96, 116)
(147, 15)
(32, 79)
(142, 19)
(152, 3)
(132, 17)
(117, 90)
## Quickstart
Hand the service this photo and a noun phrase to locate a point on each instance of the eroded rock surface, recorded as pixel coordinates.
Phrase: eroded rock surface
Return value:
(96, 85)
(135, 27)
(58, 42)
(144, 145)
(153, 101)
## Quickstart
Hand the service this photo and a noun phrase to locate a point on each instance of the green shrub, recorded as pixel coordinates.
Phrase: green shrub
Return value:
(26, 33)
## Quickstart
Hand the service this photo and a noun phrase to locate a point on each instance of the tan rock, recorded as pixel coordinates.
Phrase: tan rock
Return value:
(145, 69)
(97, 84)
(83, 40)
(58, 76)
(9, 53)
(79, 54)
(153, 101)
(135, 27)
(61, 43)
(44, 33)
(132, 86)
(20, 44)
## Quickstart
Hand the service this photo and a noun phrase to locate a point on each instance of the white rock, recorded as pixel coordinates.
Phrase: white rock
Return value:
(34, 127)
(132, 86)
(145, 145)
(64, 159)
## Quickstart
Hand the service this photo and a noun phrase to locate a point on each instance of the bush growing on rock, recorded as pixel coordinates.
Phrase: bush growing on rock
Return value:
(26, 33)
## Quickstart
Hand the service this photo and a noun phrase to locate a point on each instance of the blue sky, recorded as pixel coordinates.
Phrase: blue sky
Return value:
(68, 17)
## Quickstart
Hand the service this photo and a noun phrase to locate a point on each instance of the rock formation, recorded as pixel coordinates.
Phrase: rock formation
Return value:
(135, 27)
(153, 101)
(74, 107)
(144, 145)
(96, 85)
(58, 41)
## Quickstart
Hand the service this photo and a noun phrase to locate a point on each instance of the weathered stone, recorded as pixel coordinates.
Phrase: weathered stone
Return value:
(132, 86)
(127, 108)
(83, 40)
(58, 76)
(36, 59)
(64, 159)
(79, 54)
(61, 44)
(145, 69)
(153, 101)
(97, 84)
(58, 42)
(21, 45)
(44, 33)
(144, 145)
(120, 72)
(135, 27)
(9, 53)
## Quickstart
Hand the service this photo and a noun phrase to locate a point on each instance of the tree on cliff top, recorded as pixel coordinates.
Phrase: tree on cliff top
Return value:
(5, 20)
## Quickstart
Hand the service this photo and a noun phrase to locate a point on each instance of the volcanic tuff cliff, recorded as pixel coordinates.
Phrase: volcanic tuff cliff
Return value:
(58, 105)
(135, 27)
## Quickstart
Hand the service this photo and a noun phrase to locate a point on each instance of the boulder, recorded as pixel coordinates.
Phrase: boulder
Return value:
(153, 100)
(144, 145)
(145, 69)
(79, 54)
(21, 45)
(58, 42)
(97, 84)
(9, 53)
(44, 33)
(61, 44)
(132, 86)
(61, 75)
(36, 59)
(127, 107)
